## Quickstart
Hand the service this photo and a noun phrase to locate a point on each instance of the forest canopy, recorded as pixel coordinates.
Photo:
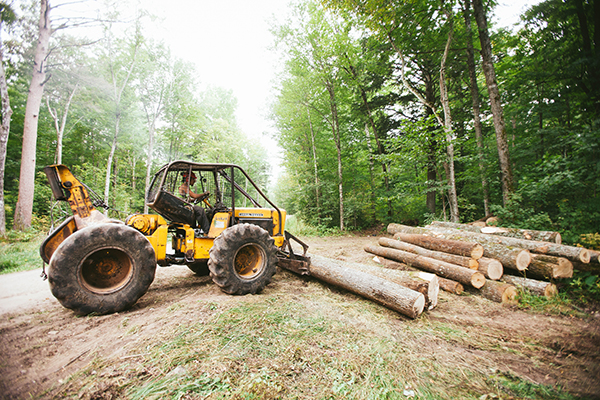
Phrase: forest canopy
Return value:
(384, 112)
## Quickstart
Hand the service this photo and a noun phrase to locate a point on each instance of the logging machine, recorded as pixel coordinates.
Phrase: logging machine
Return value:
(102, 265)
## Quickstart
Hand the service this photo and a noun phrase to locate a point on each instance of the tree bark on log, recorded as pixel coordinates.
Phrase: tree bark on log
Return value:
(445, 284)
(499, 292)
(489, 267)
(540, 288)
(422, 282)
(463, 261)
(549, 267)
(446, 270)
(457, 247)
(510, 257)
(558, 250)
(593, 267)
(389, 294)
(543, 236)
(594, 256)
(450, 286)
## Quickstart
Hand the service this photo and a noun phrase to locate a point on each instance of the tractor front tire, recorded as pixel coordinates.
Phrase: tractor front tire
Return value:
(102, 269)
(243, 259)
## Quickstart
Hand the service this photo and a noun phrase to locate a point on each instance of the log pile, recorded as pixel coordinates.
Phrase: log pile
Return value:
(418, 261)
(508, 258)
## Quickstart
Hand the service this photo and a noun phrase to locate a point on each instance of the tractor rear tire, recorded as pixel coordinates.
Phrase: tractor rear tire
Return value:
(102, 269)
(243, 259)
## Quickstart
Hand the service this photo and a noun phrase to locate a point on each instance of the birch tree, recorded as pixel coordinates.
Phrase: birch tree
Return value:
(24, 207)
(7, 16)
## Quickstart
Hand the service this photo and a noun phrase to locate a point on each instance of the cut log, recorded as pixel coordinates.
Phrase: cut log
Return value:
(593, 267)
(558, 250)
(594, 256)
(549, 267)
(463, 261)
(499, 292)
(391, 264)
(510, 257)
(446, 270)
(422, 282)
(450, 286)
(540, 288)
(491, 268)
(458, 247)
(543, 236)
(391, 295)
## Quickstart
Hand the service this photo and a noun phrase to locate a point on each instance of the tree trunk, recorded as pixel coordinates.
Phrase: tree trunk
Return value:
(335, 128)
(315, 164)
(458, 247)
(391, 295)
(495, 101)
(542, 236)
(422, 282)
(540, 288)
(455, 272)
(463, 261)
(593, 267)
(549, 267)
(553, 249)
(476, 106)
(60, 124)
(449, 165)
(24, 207)
(499, 292)
(4, 132)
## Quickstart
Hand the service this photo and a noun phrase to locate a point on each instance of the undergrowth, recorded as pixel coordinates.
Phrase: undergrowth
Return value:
(19, 251)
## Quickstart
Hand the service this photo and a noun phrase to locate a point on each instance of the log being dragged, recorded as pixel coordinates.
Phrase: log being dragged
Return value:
(422, 282)
(489, 267)
(543, 236)
(540, 288)
(458, 247)
(499, 292)
(463, 261)
(548, 267)
(389, 294)
(441, 268)
(448, 285)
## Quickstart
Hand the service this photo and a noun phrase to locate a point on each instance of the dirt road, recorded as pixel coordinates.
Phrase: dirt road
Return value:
(43, 344)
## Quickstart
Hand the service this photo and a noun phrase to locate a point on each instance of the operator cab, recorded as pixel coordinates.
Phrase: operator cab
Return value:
(232, 191)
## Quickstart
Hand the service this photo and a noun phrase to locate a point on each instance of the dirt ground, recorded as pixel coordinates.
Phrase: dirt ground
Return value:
(42, 343)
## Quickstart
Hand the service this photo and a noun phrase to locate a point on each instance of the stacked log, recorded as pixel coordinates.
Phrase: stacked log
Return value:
(544, 259)
(544, 236)
(441, 268)
(445, 284)
(540, 288)
(490, 268)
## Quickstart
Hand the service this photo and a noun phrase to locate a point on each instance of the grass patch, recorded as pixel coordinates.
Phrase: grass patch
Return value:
(293, 347)
(19, 251)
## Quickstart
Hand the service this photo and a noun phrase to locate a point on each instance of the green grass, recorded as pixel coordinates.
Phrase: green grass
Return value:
(19, 251)
(290, 347)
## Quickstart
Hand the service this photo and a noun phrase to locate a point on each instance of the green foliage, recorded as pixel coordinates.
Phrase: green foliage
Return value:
(590, 241)
(19, 251)
(584, 287)
(518, 387)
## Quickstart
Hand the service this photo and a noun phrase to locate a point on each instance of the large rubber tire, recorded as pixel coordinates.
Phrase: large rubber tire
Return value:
(102, 269)
(243, 259)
